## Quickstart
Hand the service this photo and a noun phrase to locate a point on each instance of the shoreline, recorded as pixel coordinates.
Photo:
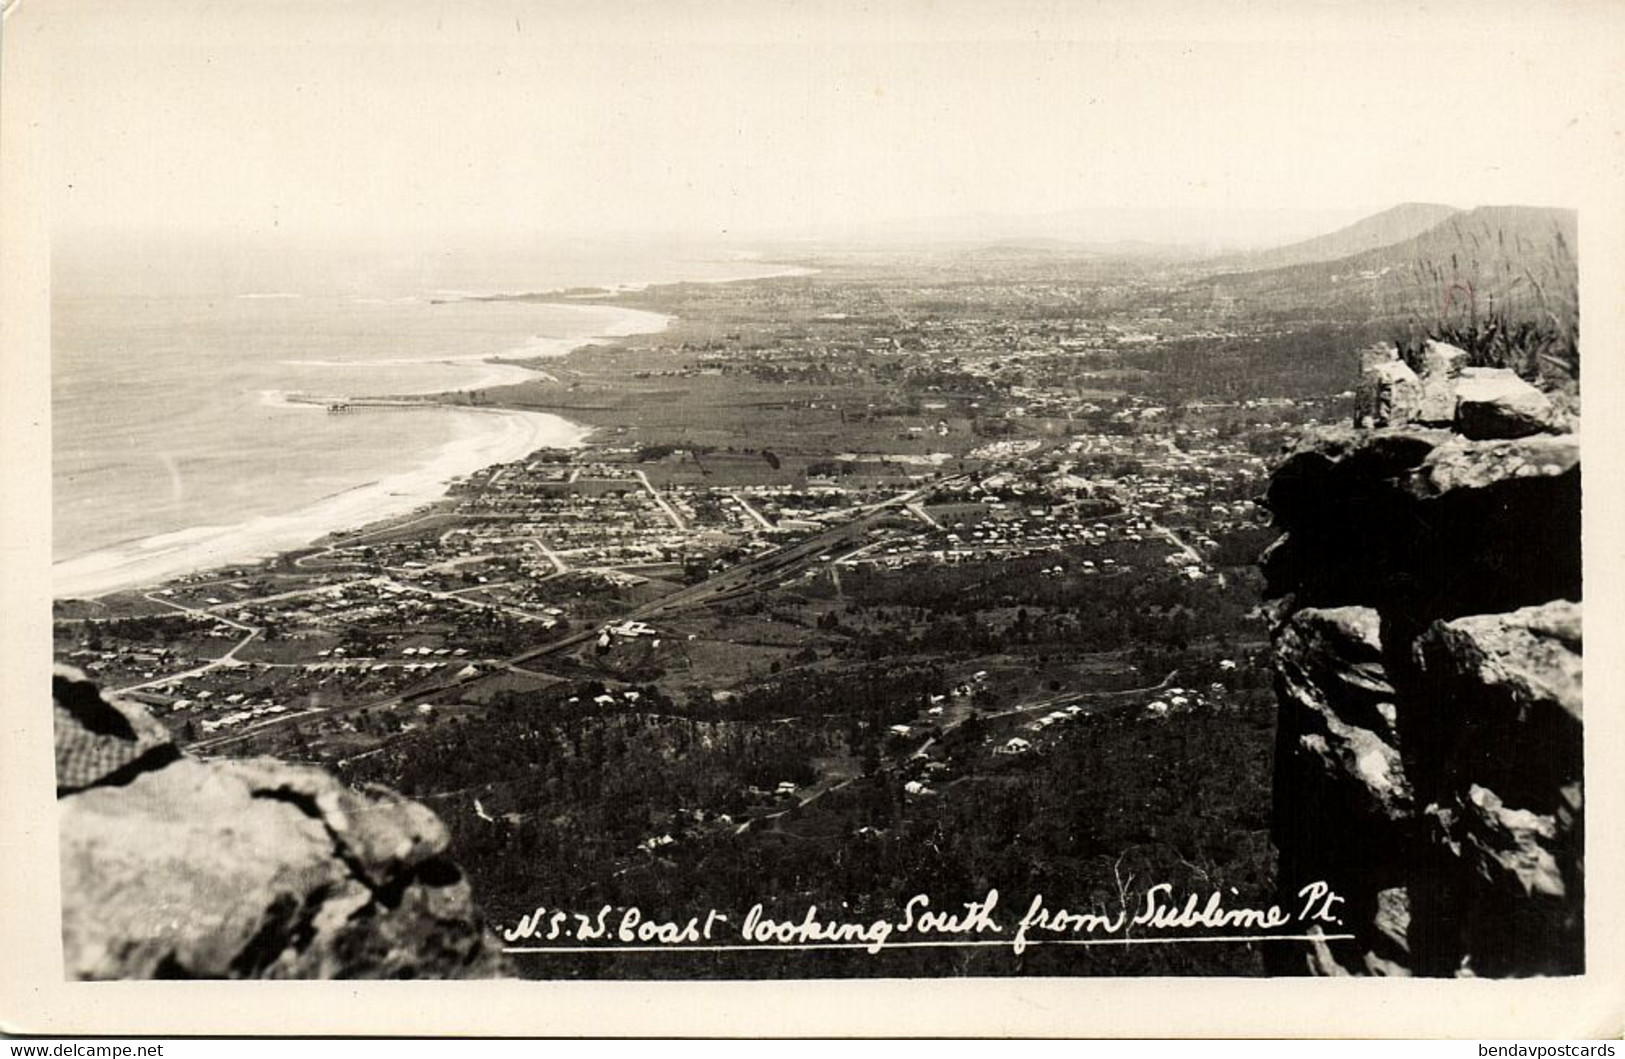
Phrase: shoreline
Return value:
(150, 561)
(589, 295)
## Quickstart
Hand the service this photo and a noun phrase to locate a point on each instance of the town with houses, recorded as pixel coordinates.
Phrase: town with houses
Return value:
(525, 540)
(843, 556)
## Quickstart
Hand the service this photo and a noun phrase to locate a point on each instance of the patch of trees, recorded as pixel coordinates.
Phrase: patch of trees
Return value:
(888, 691)
(952, 613)
(1304, 360)
(1113, 806)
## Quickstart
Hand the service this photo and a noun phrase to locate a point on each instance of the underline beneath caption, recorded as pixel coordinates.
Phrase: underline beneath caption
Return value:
(814, 946)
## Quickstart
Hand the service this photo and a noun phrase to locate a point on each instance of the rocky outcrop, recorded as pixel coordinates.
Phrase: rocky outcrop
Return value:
(1443, 391)
(1440, 372)
(1390, 392)
(1495, 403)
(178, 868)
(1426, 629)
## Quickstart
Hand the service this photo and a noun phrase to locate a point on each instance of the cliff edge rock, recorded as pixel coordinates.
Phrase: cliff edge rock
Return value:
(174, 867)
(1425, 605)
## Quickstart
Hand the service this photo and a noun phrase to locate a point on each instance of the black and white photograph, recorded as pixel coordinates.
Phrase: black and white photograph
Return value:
(629, 493)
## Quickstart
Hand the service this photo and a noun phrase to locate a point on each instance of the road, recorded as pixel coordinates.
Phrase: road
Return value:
(552, 556)
(919, 512)
(350, 542)
(752, 573)
(759, 518)
(813, 796)
(671, 512)
(1054, 702)
(478, 604)
(1105, 486)
(822, 788)
(227, 659)
(1174, 539)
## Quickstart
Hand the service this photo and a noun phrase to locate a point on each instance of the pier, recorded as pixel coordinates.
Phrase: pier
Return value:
(346, 405)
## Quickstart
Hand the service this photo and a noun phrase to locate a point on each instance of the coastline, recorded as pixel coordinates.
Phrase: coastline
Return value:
(515, 433)
(153, 560)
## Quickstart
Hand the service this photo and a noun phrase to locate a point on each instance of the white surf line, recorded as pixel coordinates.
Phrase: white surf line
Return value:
(1002, 944)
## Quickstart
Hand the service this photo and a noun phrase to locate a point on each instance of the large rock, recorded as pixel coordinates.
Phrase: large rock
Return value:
(1389, 393)
(1338, 704)
(1424, 524)
(1509, 884)
(178, 868)
(1440, 372)
(1338, 758)
(101, 741)
(1530, 658)
(1442, 391)
(1426, 635)
(1331, 466)
(1508, 845)
(1506, 809)
(1496, 403)
(1476, 465)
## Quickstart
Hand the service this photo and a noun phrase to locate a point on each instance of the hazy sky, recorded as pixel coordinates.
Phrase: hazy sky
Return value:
(302, 119)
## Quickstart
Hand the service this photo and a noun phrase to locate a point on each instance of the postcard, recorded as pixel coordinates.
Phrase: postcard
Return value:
(546, 519)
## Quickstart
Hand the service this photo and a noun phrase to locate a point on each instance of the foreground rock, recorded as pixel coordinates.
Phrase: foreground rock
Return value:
(178, 868)
(1426, 632)
(1479, 403)
(1389, 391)
(1441, 372)
(1495, 403)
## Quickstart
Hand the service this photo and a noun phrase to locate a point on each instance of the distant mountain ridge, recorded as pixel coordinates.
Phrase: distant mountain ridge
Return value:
(1517, 261)
(1394, 225)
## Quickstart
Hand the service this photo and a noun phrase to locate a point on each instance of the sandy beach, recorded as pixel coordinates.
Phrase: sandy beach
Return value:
(486, 437)
(494, 436)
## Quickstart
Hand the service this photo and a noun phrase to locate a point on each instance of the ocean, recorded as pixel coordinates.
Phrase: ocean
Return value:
(175, 447)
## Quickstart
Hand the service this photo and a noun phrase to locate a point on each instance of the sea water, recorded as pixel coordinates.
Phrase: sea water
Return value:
(176, 445)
